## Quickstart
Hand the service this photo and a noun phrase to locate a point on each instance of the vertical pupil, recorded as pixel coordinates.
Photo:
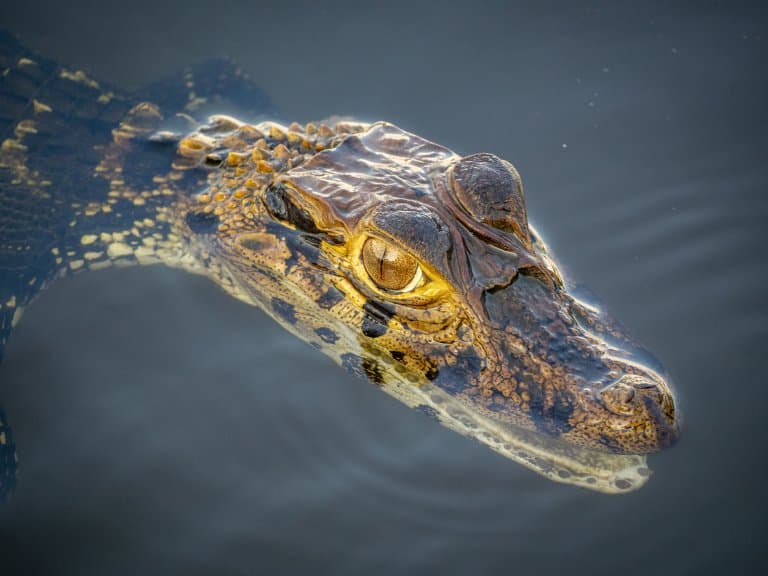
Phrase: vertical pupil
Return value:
(388, 267)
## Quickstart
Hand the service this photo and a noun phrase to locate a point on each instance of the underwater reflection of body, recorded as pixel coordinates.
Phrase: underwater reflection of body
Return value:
(409, 265)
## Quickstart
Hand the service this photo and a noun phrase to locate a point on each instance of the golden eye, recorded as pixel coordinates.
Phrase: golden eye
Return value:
(390, 268)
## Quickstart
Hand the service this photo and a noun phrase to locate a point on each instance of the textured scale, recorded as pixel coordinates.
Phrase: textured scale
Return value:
(410, 266)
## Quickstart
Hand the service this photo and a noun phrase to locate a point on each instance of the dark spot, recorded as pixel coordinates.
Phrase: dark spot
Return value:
(431, 372)
(252, 243)
(645, 472)
(456, 378)
(397, 355)
(373, 370)
(366, 368)
(375, 320)
(292, 260)
(213, 160)
(327, 335)
(609, 443)
(202, 222)
(561, 412)
(352, 363)
(282, 207)
(428, 411)
(498, 402)
(623, 484)
(553, 420)
(330, 298)
(284, 309)
(563, 473)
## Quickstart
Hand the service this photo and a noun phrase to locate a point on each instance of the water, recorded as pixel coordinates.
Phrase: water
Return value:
(165, 428)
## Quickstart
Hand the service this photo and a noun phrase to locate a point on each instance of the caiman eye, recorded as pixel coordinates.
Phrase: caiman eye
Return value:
(390, 268)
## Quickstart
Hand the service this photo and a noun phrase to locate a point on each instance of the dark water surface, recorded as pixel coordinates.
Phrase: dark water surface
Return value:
(164, 428)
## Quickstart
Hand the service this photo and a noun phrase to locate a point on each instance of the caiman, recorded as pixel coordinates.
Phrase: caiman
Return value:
(411, 266)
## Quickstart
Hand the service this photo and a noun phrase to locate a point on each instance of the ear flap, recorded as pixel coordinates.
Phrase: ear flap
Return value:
(490, 189)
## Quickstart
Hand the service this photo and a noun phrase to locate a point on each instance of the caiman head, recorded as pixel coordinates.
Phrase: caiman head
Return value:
(416, 268)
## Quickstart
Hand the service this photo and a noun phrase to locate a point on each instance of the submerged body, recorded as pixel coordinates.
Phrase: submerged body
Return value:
(409, 265)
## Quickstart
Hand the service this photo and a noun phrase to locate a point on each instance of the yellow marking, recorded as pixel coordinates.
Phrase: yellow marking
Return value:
(88, 239)
(264, 167)
(195, 146)
(149, 241)
(294, 138)
(10, 144)
(236, 158)
(55, 251)
(149, 223)
(59, 260)
(16, 317)
(106, 209)
(99, 265)
(79, 76)
(144, 254)
(25, 127)
(2, 439)
(204, 198)
(11, 303)
(76, 264)
(118, 236)
(139, 201)
(26, 62)
(105, 98)
(118, 249)
(220, 196)
(257, 155)
(195, 102)
(105, 237)
(281, 151)
(275, 133)
(41, 107)
(93, 255)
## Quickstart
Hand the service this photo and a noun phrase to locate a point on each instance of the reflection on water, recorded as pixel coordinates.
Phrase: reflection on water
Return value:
(165, 428)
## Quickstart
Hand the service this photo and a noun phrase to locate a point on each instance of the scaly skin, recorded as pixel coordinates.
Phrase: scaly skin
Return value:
(486, 339)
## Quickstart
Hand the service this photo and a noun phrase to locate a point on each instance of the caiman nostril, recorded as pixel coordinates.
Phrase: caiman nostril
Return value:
(618, 397)
(624, 393)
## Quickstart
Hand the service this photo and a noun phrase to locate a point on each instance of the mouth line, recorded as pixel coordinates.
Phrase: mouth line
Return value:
(552, 457)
